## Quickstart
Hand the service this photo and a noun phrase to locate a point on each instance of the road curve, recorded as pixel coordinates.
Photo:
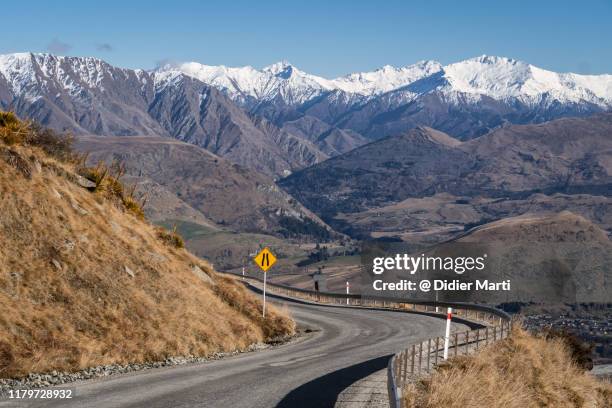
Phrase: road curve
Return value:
(348, 344)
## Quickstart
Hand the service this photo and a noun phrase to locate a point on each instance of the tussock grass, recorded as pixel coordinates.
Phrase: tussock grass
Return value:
(522, 371)
(106, 180)
(171, 238)
(85, 283)
(57, 145)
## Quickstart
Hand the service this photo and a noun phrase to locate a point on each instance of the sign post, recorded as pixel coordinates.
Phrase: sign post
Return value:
(449, 315)
(264, 295)
(265, 259)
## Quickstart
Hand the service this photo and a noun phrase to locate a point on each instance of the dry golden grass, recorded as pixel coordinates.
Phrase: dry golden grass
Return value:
(171, 238)
(519, 372)
(84, 282)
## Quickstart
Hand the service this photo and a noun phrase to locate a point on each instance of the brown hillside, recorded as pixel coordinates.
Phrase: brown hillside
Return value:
(558, 228)
(227, 194)
(552, 258)
(85, 282)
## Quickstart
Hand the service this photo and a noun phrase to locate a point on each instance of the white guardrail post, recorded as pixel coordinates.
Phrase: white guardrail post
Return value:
(347, 292)
(449, 315)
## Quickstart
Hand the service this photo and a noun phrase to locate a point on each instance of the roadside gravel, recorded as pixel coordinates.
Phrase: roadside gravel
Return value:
(43, 380)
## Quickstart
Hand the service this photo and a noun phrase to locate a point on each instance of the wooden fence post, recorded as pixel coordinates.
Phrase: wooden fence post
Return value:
(405, 366)
(437, 348)
(456, 344)
(398, 367)
(420, 356)
(412, 361)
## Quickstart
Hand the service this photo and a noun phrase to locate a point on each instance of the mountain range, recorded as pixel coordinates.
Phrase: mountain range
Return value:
(279, 119)
(464, 99)
(390, 176)
(439, 147)
(89, 96)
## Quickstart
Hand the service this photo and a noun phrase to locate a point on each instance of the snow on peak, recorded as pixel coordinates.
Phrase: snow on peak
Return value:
(499, 78)
(492, 76)
(492, 59)
(502, 78)
(247, 83)
(19, 71)
(278, 67)
(235, 81)
(386, 79)
(34, 75)
(296, 86)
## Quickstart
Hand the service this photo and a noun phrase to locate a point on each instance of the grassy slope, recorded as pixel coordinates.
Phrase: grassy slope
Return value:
(520, 372)
(66, 297)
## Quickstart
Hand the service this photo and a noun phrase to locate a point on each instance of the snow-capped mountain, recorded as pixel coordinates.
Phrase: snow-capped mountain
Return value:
(283, 113)
(248, 85)
(469, 98)
(465, 99)
(503, 78)
(90, 96)
(498, 78)
(385, 79)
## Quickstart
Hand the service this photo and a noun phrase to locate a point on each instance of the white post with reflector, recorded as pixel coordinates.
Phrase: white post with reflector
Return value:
(347, 292)
(449, 316)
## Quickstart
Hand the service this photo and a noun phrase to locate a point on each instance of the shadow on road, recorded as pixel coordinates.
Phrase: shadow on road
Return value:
(323, 391)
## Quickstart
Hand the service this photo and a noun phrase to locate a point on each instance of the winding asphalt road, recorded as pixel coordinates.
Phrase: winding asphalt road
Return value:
(346, 345)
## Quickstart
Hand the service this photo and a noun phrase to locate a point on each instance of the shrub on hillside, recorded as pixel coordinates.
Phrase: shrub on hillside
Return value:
(171, 238)
(12, 130)
(17, 132)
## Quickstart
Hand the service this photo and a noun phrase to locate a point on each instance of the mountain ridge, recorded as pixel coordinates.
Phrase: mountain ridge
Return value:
(567, 155)
(224, 193)
(90, 96)
(519, 76)
(465, 99)
(280, 119)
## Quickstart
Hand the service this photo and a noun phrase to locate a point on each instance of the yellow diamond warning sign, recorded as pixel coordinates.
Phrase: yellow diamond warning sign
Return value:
(265, 259)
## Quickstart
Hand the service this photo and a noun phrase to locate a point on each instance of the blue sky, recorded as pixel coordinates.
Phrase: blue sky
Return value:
(316, 36)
